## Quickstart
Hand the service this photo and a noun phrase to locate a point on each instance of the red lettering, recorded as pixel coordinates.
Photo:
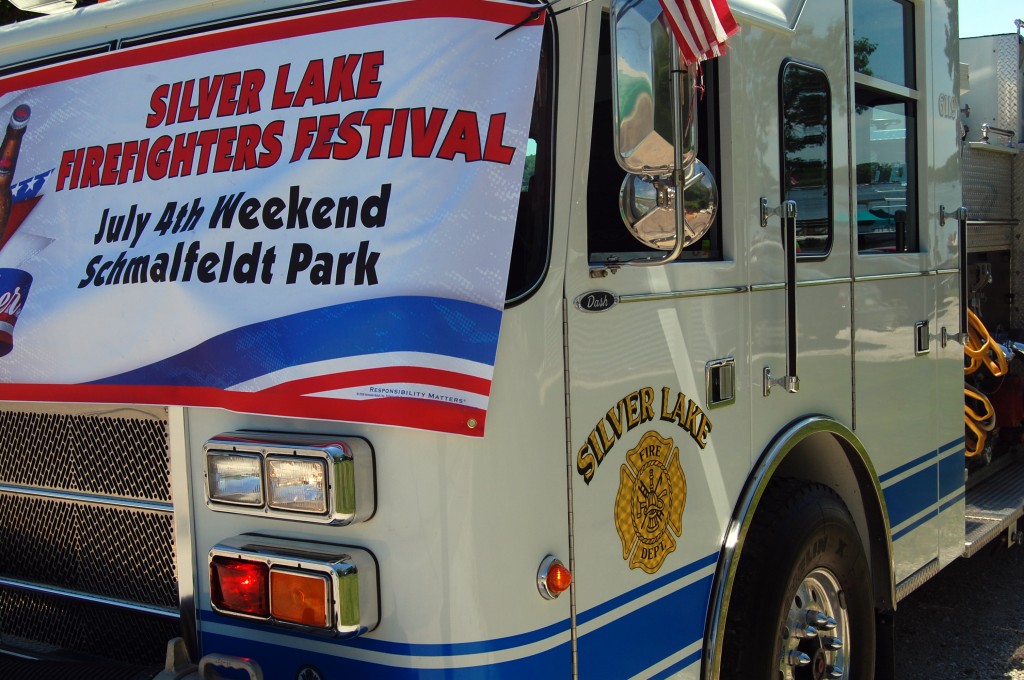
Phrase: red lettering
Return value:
(311, 87)
(463, 138)
(378, 121)
(369, 75)
(157, 106)
(425, 132)
(494, 150)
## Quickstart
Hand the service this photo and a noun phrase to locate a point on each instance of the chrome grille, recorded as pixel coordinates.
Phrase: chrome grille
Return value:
(87, 530)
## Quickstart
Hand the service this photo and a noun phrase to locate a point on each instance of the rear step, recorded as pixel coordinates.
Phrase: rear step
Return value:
(994, 502)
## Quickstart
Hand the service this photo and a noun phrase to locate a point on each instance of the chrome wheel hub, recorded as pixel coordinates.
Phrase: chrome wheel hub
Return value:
(814, 640)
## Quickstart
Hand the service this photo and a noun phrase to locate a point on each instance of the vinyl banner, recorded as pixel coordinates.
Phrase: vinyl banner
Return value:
(310, 216)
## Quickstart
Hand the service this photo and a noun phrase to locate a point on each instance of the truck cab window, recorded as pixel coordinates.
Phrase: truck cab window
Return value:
(608, 240)
(806, 161)
(885, 130)
(531, 245)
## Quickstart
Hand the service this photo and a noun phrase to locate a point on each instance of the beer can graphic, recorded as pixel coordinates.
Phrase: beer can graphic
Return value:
(14, 285)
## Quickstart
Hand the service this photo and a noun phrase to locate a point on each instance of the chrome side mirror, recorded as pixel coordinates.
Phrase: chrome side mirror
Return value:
(648, 207)
(654, 103)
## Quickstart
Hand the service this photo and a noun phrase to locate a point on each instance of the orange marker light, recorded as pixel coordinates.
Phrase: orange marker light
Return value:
(299, 598)
(553, 578)
(559, 578)
(239, 586)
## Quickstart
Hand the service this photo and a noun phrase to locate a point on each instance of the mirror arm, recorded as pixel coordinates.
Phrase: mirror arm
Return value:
(677, 176)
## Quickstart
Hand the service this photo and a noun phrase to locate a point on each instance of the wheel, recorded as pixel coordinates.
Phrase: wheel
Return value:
(802, 604)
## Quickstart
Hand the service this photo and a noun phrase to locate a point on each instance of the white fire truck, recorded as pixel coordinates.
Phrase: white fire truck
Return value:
(725, 426)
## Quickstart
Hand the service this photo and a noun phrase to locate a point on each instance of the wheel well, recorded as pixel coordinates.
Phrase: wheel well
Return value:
(830, 459)
(816, 449)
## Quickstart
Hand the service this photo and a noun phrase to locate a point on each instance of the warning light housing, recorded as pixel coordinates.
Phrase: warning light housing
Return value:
(553, 578)
(317, 587)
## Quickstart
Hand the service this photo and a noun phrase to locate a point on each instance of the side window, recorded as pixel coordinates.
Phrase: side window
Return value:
(885, 126)
(806, 159)
(531, 244)
(608, 240)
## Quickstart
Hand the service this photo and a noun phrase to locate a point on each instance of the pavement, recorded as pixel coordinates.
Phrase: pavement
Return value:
(966, 622)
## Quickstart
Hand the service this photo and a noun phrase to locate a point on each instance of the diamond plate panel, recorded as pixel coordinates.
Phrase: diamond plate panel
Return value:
(1008, 113)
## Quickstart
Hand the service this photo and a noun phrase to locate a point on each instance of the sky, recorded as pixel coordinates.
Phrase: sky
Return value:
(989, 17)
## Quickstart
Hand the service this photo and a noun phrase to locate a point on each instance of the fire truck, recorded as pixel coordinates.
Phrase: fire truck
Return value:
(323, 319)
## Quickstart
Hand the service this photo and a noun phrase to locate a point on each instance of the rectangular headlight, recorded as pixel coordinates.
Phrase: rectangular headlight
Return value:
(235, 478)
(306, 478)
(297, 484)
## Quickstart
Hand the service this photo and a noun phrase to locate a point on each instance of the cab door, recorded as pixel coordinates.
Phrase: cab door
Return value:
(659, 401)
(790, 131)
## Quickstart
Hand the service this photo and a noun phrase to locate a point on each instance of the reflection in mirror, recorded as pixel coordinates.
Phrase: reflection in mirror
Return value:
(649, 208)
(806, 167)
(642, 84)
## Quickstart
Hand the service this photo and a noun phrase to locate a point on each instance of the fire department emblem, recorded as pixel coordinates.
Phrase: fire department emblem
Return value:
(650, 502)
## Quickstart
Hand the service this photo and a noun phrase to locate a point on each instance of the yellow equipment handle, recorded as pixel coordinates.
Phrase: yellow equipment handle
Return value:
(978, 422)
(982, 349)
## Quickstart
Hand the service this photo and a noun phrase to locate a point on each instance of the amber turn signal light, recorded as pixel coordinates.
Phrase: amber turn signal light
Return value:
(299, 598)
(553, 578)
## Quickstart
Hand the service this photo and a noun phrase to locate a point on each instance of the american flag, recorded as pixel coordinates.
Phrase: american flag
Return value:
(701, 27)
(26, 194)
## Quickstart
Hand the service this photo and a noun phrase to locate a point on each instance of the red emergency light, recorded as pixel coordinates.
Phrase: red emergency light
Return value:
(240, 586)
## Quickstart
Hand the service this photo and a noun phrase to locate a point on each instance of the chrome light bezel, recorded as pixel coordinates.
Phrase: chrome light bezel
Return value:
(351, 573)
(350, 492)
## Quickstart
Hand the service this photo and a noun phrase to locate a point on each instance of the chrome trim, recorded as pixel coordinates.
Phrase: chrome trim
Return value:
(762, 287)
(922, 338)
(886, 277)
(674, 295)
(351, 477)
(79, 497)
(756, 484)
(993, 223)
(917, 579)
(946, 272)
(80, 596)
(351, 575)
(184, 533)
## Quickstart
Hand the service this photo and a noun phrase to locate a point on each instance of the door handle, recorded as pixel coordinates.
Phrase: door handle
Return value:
(790, 381)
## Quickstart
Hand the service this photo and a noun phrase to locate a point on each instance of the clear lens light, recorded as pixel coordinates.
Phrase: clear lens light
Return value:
(234, 478)
(297, 484)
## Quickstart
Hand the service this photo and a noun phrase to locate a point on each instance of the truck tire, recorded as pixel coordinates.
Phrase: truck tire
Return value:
(802, 604)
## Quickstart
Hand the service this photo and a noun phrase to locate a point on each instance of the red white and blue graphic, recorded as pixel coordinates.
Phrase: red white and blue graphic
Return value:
(309, 217)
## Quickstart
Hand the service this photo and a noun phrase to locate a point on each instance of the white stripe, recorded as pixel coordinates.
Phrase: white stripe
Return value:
(382, 658)
(675, 658)
(406, 391)
(362, 362)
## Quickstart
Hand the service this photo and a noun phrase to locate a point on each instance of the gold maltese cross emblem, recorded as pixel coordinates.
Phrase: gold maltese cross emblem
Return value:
(651, 498)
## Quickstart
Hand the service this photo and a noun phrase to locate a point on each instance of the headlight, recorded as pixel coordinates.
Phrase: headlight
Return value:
(234, 478)
(310, 478)
(297, 484)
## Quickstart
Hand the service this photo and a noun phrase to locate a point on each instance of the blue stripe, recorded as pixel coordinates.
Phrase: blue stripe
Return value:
(407, 648)
(278, 661)
(453, 328)
(952, 444)
(909, 496)
(640, 639)
(906, 466)
(951, 473)
(636, 593)
(913, 525)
